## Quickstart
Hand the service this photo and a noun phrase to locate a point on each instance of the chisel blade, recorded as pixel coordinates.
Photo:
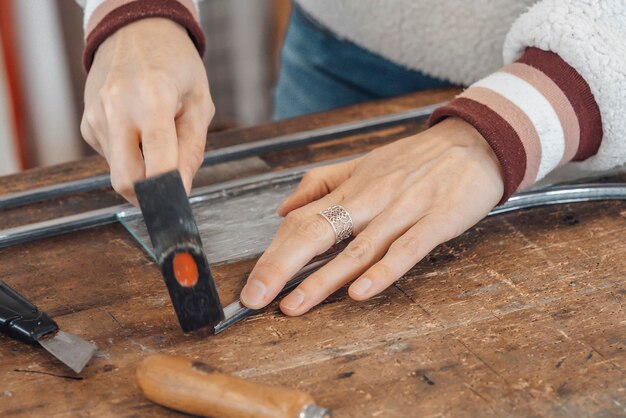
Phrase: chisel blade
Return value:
(71, 350)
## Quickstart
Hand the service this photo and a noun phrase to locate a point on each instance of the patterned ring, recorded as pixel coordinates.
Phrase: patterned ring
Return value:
(341, 221)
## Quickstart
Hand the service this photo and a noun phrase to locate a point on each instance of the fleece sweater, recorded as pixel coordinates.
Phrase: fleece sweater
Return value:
(547, 77)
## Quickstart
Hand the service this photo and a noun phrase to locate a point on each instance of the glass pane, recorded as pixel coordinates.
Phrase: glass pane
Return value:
(236, 224)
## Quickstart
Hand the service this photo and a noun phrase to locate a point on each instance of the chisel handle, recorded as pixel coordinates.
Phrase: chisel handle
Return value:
(197, 388)
(20, 319)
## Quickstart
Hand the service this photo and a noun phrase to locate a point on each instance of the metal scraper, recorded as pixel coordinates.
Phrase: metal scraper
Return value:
(22, 321)
(178, 250)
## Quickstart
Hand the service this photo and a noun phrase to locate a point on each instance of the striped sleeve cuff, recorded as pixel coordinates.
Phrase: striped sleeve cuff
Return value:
(103, 17)
(536, 114)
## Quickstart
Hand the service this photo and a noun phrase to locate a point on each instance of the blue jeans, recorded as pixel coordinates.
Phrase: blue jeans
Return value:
(320, 72)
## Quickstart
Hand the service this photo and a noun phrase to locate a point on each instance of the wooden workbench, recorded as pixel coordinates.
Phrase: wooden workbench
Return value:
(524, 315)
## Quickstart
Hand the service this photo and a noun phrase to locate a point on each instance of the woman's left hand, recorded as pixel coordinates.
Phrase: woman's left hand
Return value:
(404, 199)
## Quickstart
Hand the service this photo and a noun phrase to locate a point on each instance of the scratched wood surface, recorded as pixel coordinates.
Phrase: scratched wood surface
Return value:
(521, 316)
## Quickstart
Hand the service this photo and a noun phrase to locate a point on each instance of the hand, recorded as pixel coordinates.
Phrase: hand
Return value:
(147, 104)
(404, 198)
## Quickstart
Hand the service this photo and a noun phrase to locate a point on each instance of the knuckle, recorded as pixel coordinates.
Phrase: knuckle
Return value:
(269, 268)
(408, 244)
(112, 96)
(313, 229)
(196, 156)
(447, 225)
(310, 175)
(295, 217)
(122, 183)
(384, 271)
(210, 106)
(85, 130)
(360, 250)
(90, 118)
(156, 136)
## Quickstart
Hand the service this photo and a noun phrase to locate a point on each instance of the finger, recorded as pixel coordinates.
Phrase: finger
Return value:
(302, 235)
(191, 127)
(295, 219)
(315, 184)
(125, 159)
(159, 139)
(367, 248)
(403, 254)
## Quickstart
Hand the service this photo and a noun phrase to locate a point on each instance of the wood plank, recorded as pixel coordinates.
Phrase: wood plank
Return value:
(521, 316)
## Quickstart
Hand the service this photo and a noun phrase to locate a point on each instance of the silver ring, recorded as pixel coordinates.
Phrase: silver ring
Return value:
(341, 221)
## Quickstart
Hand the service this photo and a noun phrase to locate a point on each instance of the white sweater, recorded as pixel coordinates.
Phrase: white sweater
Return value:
(465, 40)
(560, 97)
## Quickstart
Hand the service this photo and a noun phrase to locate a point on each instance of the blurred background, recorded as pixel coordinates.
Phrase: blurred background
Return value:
(42, 79)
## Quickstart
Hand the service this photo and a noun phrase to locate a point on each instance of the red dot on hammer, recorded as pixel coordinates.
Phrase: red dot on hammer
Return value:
(185, 269)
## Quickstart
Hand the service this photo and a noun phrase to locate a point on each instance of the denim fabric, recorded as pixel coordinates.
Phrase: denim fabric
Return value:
(320, 71)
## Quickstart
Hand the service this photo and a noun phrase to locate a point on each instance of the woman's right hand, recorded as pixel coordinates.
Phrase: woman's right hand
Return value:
(147, 104)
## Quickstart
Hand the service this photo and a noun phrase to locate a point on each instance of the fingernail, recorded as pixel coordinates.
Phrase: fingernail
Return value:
(294, 300)
(253, 292)
(360, 287)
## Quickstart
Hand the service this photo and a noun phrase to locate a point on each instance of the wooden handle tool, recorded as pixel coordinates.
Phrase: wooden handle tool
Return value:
(199, 389)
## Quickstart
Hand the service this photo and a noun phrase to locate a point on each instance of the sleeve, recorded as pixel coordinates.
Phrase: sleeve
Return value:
(103, 17)
(562, 96)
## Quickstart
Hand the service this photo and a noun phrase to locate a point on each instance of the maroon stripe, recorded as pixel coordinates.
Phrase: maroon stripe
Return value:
(578, 93)
(141, 9)
(502, 138)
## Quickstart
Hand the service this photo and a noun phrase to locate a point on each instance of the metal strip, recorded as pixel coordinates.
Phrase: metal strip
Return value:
(232, 153)
(236, 312)
(91, 219)
(39, 230)
(58, 226)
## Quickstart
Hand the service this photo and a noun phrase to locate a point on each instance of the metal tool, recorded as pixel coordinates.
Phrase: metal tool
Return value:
(231, 153)
(199, 389)
(22, 321)
(178, 250)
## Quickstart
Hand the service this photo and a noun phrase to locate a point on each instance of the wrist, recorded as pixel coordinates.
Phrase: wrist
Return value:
(107, 20)
(132, 38)
(461, 133)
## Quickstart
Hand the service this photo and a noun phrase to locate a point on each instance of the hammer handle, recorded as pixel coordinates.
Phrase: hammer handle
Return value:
(196, 388)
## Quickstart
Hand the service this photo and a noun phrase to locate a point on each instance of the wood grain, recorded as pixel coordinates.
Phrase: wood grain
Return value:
(523, 315)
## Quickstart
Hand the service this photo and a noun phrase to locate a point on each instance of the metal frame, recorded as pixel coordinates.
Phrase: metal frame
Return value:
(236, 311)
(231, 153)
(90, 219)
(555, 195)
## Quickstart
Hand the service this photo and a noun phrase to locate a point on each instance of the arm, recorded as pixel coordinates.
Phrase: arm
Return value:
(562, 99)
(147, 100)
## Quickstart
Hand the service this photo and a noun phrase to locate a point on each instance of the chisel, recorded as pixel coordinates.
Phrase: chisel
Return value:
(197, 388)
(22, 321)
(178, 250)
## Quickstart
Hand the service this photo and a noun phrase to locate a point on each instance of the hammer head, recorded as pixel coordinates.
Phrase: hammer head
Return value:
(178, 250)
